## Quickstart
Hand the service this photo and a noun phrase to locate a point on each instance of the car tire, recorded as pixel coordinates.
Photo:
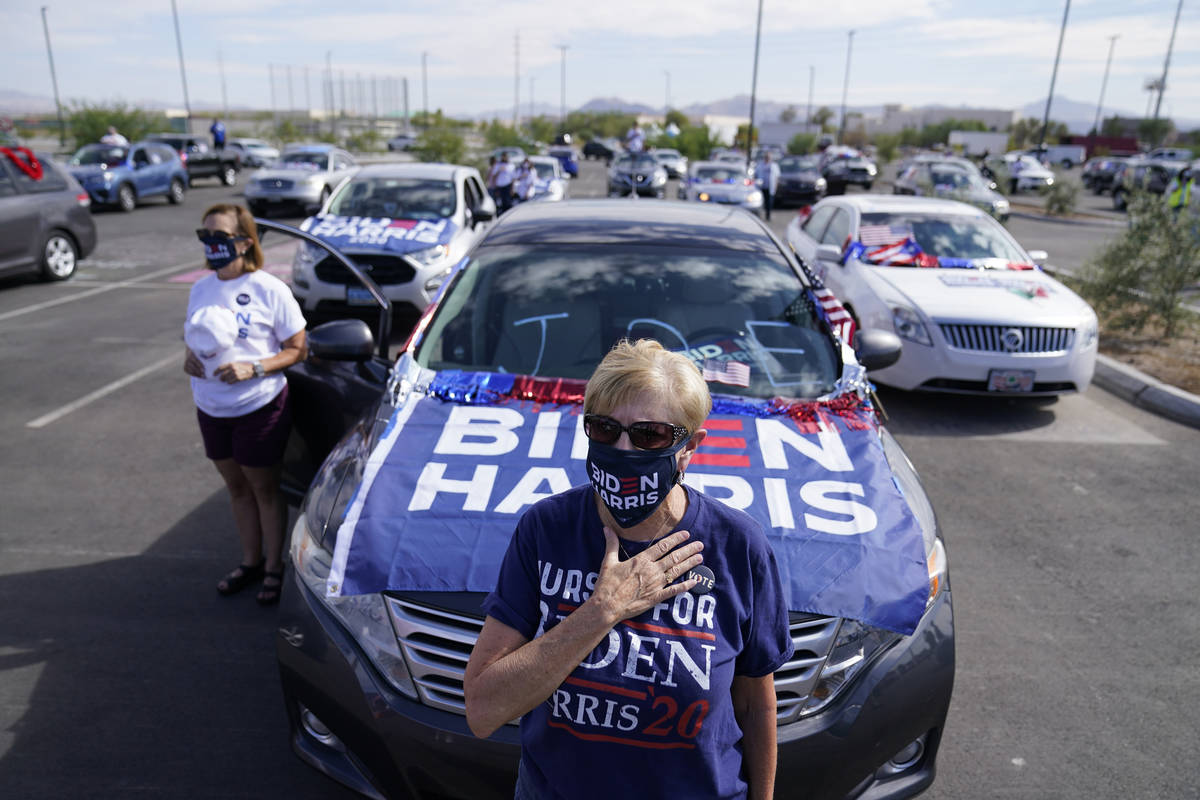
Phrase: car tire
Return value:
(1067, 163)
(867, 186)
(176, 192)
(60, 256)
(126, 198)
(229, 175)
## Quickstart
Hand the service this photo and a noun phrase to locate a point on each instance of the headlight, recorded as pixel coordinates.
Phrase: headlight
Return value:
(856, 645)
(754, 198)
(821, 183)
(435, 282)
(871, 169)
(1000, 206)
(1088, 334)
(107, 176)
(703, 197)
(909, 326)
(430, 255)
(660, 178)
(307, 255)
(314, 180)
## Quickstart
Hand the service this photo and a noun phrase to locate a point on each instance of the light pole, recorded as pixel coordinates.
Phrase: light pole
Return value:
(182, 72)
(845, 84)
(1162, 83)
(667, 107)
(1053, 76)
(1112, 42)
(562, 89)
(425, 86)
(753, 88)
(812, 74)
(62, 131)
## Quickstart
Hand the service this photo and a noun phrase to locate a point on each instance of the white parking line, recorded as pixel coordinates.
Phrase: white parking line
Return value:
(17, 312)
(46, 419)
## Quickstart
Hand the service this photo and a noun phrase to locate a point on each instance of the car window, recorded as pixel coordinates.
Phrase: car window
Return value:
(556, 310)
(7, 189)
(720, 174)
(544, 171)
(313, 161)
(471, 193)
(838, 230)
(51, 180)
(641, 161)
(398, 198)
(814, 226)
(140, 156)
(99, 154)
(952, 235)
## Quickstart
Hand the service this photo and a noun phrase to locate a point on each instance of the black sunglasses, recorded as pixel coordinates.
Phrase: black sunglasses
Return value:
(204, 234)
(642, 435)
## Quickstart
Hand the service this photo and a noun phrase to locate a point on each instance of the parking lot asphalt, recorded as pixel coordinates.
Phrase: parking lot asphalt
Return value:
(1069, 527)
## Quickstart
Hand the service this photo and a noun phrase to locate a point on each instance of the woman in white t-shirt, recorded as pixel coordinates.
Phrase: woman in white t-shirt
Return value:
(243, 329)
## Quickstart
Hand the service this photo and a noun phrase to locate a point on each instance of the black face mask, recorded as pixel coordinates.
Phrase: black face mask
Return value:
(220, 249)
(632, 483)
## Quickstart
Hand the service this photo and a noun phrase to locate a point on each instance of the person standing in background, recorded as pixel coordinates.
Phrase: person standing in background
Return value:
(114, 138)
(217, 129)
(768, 181)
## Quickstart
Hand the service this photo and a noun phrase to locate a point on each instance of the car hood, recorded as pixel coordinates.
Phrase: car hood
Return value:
(1000, 296)
(504, 441)
(91, 170)
(724, 190)
(287, 173)
(809, 175)
(381, 234)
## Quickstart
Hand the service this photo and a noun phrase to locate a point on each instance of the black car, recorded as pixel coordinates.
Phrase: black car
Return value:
(372, 670)
(602, 149)
(800, 181)
(201, 159)
(843, 166)
(1142, 174)
(45, 221)
(1098, 173)
(637, 173)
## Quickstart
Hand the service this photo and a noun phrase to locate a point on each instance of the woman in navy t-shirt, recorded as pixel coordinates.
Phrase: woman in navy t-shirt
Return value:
(636, 624)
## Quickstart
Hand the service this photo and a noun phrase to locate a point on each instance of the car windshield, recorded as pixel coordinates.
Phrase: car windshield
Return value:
(256, 145)
(398, 198)
(543, 169)
(720, 174)
(636, 162)
(796, 164)
(305, 160)
(99, 154)
(952, 236)
(555, 311)
(953, 177)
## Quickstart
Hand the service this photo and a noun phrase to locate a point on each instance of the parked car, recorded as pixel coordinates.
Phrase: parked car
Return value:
(673, 161)
(515, 154)
(45, 223)
(125, 175)
(722, 183)
(406, 224)
(253, 152)
(845, 166)
(568, 159)
(981, 318)
(1142, 174)
(1064, 155)
(372, 665)
(953, 181)
(403, 141)
(637, 173)
(551, 184)
(1019, 172)
(1098, 173)
(602, 149)
(303, 178)
(1170, 154)
(800, 181)
(202, 160)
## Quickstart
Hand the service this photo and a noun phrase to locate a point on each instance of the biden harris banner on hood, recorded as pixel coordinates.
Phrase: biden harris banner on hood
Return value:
(380, 233)
(443, 490)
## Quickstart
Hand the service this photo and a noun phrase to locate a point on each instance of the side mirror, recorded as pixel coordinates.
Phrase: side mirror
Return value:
(342, 340)
(1039, 256)
(876, 349)
(483, 212)
(829, 252)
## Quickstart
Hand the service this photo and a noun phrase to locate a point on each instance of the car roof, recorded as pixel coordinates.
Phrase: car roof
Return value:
(315, 147)
(900, 204)
(403, 169)
(719, 164)
(651, 223)
(542, 159)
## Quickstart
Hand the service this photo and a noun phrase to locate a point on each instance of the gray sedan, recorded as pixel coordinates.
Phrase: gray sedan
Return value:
(721, 182)
(952, 181)
(304, 177)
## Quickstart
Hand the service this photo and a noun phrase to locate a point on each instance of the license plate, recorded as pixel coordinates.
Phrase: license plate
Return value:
(358, 296)
(1010, 380)
(274, 198)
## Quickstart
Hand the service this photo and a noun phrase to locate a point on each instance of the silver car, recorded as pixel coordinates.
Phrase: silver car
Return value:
(253, 152)
(953, 181)
(673, 161)
(303, 178)
(721, 182)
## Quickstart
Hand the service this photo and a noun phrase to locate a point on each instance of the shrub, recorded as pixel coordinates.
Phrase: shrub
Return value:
(87, 122)
(802, 143)
(441, 144)
(363, 141)
(885, 146)
(1141, 276)
(1060, 198)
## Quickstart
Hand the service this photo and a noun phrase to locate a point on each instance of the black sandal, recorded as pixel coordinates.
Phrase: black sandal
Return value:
(268, 595)
(241, 577)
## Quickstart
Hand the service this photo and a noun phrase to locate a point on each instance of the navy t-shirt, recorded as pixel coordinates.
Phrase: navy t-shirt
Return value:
(649, 712)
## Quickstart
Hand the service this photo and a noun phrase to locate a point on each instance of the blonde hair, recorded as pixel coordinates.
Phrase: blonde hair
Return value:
(632, 370)
(252, 259)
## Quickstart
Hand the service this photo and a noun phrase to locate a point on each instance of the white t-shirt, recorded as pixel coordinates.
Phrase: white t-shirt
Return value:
(266, 314)
(524, 184)
(504, 174)
(635, 140)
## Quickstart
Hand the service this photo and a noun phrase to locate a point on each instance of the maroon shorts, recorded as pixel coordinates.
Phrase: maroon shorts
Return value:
(257, 439)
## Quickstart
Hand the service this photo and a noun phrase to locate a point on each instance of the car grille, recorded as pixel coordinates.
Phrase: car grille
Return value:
(383, 269)
(275, 184)
(437, 645)
(992, 338)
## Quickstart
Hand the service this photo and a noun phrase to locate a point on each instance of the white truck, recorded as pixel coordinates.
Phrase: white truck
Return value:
(978, 143)
(1063, 155)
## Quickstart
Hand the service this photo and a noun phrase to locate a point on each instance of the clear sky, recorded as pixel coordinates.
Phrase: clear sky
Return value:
(954, 52)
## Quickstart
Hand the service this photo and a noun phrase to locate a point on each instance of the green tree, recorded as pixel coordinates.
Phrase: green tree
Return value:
(821, 118)
(739, 139)
(788, 115)
(441, 144)
(543, 129)
(1155, 131)
(497, 134)
(886, 145)
(1027, 132)
(678, 117)
(87, 122)
(802, 143)
(694, 141)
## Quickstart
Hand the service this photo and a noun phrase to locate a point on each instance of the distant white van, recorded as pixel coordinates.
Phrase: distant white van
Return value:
(1064, 155)
(1170, 154)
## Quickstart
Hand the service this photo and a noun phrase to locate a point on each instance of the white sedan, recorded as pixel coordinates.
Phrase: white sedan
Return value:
(974, 310)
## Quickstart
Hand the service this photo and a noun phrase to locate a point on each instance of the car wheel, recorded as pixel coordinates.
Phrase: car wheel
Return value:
(126, 198)
(176, 192)
(59, 257)
(867, 186)
(229, 176)
(1067, 163)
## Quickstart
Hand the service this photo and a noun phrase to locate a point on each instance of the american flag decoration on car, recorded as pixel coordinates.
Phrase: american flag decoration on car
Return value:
(731, 372)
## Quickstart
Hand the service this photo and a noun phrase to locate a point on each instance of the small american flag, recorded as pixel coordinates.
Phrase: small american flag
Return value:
(734, 373)
(839, 319)
(883, 234)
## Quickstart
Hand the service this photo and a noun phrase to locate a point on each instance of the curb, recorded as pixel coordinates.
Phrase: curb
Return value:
(1143, 391)
(1093, 221)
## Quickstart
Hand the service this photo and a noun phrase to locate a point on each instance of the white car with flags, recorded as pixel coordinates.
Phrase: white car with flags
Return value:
(975, 311)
